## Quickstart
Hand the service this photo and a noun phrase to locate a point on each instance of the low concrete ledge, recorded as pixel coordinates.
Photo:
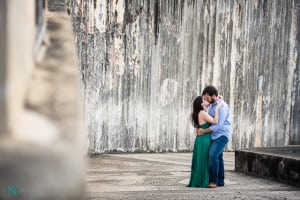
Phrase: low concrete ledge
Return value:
(278, 163)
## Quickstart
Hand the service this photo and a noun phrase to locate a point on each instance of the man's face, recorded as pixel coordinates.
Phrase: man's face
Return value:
(210, 99)
(205, 103)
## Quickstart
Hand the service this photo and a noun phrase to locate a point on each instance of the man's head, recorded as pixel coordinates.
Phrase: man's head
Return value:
(210, 94)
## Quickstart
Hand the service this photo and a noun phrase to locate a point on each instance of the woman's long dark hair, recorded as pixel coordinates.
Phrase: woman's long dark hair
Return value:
(197, 107)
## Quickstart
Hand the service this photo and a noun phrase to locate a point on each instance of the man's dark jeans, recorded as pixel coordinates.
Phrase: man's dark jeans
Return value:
(216, 163)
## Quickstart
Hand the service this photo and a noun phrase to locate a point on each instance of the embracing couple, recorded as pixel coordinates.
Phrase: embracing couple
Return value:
(211, 118)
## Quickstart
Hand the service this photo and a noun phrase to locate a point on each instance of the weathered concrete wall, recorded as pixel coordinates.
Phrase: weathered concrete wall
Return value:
(143, 62)
(295, 116)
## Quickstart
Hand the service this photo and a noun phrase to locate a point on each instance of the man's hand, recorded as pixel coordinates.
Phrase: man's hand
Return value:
(199, 131)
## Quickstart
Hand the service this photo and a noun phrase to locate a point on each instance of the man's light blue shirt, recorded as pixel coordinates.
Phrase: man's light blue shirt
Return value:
(223, 126)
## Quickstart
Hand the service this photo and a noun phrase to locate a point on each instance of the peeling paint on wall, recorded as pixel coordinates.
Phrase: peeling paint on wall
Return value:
(143, 62)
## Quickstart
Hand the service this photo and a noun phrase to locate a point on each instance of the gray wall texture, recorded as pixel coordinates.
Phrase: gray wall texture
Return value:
(143, 61)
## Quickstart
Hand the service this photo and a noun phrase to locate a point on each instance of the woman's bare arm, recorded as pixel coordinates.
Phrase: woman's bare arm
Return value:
(207, 118)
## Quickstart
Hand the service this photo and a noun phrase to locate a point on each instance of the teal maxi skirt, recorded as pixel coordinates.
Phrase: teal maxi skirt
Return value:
(199, 169)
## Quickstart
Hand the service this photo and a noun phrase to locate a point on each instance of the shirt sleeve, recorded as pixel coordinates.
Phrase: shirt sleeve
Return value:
(222, 118)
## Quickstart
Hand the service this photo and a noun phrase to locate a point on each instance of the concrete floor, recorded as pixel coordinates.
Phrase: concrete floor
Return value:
(165, 176)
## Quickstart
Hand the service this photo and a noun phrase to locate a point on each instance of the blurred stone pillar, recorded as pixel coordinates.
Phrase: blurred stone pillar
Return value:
(3, 63)
(41, 148)
(17, 40)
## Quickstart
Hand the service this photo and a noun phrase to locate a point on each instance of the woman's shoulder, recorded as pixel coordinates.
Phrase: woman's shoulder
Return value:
(202, 112)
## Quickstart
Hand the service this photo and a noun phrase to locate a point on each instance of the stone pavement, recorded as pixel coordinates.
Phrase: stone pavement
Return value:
(165, 176)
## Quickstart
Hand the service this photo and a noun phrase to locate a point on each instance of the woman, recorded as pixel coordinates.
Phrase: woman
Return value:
(200, 118)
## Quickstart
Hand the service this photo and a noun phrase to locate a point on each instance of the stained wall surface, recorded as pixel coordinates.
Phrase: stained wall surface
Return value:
(142, 63)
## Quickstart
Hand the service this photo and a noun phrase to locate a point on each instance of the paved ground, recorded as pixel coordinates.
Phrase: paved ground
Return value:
(165, 176)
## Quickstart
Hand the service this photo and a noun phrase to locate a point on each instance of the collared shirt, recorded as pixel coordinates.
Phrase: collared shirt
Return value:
(223, 126)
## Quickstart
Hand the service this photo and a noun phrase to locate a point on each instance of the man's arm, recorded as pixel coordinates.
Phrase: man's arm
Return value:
(222, 117)
(201, 131)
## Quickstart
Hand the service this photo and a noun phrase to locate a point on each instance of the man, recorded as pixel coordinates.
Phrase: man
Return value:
(219, 136)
